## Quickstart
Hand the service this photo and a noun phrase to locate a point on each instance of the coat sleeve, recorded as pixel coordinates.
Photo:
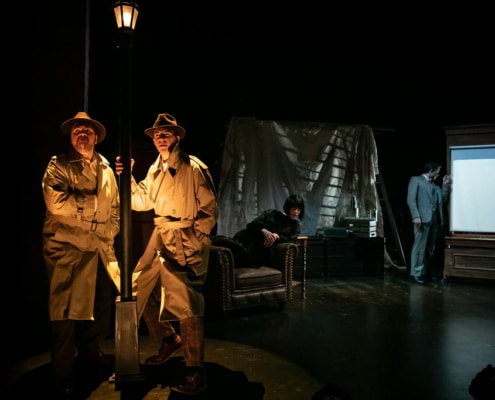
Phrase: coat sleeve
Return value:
(207, 205)
(260, 222)
(141, 192)
(59, 197)
(445, 193)
(115, 207)
(412, 197)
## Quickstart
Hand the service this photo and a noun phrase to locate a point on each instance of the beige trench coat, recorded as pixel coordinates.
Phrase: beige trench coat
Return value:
(81, 222)
(184, 201)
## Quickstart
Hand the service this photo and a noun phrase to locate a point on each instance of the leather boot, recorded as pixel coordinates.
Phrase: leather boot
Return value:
(166, 350)
(194, 380)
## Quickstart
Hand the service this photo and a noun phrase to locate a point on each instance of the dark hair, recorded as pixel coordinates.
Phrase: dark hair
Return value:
(482, 386)
(294, 201)
(431, 166)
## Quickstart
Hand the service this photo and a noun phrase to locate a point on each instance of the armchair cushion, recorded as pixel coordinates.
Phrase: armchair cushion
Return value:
(246, 278)
(229, 288)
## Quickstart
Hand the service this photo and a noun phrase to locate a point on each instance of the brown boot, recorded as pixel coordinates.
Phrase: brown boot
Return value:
(165, 351)
(192, 332)
(193, 382)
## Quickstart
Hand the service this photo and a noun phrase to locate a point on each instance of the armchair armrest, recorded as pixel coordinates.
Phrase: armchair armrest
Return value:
(282, 257)
(220, 278)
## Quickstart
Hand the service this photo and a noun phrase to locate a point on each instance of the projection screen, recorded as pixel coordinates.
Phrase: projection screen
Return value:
(472, 201)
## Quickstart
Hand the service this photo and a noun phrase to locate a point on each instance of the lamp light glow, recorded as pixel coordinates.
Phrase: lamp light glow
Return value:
(126, 13)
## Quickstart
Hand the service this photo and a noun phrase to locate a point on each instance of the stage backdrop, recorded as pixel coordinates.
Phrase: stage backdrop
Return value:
(332, 166)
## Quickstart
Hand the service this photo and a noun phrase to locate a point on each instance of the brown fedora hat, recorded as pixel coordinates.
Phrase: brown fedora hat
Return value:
(81, 116)
(166, 121)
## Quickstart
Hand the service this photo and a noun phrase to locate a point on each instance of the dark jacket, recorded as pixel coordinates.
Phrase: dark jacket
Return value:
(273, 220)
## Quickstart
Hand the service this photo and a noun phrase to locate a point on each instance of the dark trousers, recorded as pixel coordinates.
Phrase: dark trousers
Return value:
(85, 336)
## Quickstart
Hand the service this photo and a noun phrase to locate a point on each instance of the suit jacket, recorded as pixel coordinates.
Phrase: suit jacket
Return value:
(424, 197)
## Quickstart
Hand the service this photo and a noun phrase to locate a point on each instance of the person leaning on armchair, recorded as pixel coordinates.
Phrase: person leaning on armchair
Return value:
(251, 246)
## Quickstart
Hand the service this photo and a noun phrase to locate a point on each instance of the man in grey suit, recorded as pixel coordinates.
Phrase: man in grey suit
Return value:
(425, 200)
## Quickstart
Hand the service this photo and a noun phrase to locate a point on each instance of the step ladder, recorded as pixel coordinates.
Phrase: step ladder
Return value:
(388, 217)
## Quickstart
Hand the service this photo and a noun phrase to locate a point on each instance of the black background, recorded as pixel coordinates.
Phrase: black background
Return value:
(408, 71)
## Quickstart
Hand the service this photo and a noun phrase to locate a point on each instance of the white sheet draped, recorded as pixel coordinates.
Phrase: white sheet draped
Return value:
(332, 166)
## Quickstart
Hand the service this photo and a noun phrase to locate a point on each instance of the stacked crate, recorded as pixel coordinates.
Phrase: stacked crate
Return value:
(361, 227)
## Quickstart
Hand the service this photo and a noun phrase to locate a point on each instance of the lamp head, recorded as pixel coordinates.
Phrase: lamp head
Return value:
(126, 13)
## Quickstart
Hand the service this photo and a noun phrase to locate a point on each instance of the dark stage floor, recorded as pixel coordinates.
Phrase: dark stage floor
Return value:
(373, 337)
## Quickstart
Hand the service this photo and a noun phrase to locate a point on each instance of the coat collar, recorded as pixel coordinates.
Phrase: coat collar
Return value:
(173, 161)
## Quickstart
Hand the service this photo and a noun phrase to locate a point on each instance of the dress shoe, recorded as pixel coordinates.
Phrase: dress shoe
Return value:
(192, 384)
(165, 351)
(418, 280)
(96, 357)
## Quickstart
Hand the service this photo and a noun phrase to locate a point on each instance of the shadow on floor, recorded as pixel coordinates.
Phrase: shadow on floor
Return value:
(94, 383)
(366, 335)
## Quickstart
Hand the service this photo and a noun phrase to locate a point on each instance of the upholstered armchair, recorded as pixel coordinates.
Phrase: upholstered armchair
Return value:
(229, 288)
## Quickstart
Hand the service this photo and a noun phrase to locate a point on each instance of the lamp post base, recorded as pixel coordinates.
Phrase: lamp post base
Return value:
(127, 365)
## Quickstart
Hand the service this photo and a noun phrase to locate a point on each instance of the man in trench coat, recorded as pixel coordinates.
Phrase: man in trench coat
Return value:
(82, 218)
(172, 270)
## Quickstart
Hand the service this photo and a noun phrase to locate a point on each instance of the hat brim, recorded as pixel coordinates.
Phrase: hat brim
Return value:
(99, 129)
(176, 128)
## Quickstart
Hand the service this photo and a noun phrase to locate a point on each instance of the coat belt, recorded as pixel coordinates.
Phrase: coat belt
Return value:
(165, 224)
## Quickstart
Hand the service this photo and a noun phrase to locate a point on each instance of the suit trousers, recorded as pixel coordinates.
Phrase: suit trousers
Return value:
(423, 249)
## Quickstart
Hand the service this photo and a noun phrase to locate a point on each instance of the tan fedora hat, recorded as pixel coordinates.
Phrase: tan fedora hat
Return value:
(166, 121)
(81, 116)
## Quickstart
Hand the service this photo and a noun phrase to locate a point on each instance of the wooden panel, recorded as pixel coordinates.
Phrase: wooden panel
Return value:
(469, 263)
(469, 255)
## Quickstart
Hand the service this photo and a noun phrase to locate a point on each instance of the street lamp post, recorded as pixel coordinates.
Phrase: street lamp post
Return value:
(127, 366)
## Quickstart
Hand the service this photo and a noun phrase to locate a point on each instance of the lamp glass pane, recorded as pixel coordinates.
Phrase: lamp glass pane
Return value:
(118, 16)
(126, 15)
